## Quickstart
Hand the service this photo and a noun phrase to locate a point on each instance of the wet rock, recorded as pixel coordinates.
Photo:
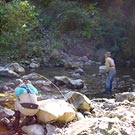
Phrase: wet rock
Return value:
(34, 65)
(102, 69)
(75, 75)
(71, 65)
(61, 80)
(32, 76)
(16, 68)
(80, 71)
(8, 73)
(75, 84)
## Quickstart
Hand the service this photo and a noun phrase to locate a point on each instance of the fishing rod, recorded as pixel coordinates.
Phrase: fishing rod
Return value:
(57, 88)
(53, 85)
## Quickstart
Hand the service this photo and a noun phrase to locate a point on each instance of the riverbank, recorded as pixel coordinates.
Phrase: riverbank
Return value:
(109, 116)
(93, 86)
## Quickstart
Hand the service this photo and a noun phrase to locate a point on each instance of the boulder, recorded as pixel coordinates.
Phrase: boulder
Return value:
(53, 130)
(51, 110)
(16, 68)
(34, 129)
(79, 101)
(61, 80)
(71, 65)
(5, 112)
(80, 71)
(7, 73)
(130, 96)
(76, 84)
(102, 69)
(34, 65)
(32, 76)
(95, 126)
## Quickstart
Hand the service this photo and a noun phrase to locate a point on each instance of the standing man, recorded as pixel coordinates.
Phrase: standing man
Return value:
(24, 96)
(111, 72)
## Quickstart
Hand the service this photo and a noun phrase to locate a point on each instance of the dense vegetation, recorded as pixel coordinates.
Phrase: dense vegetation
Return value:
(33, 27)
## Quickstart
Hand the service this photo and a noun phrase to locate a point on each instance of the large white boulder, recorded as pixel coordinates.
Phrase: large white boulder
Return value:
(51, 110)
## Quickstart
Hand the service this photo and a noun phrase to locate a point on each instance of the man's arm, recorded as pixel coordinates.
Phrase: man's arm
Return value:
(33, 88)
(107, 64)
(17, 91)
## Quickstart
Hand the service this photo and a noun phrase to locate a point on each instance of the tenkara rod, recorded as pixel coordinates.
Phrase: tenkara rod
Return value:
(56, 88)
(53, 85)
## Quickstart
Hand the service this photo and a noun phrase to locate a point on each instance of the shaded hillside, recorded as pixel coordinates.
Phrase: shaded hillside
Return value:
(78, 27)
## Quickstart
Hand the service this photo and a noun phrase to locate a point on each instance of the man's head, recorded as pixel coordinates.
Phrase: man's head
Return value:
(108, 54)
(18, 82)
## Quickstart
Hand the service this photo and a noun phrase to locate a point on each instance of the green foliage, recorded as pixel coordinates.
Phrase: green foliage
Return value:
(83, 18)
(64, 23)
(70, 17)
(55, 10)
(112, 32)
(42, 3)
(72, 20)
(18, 21)
(92, 28)
(129, 48)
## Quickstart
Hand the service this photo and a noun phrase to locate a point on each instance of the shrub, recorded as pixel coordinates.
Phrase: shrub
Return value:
(18, 22)
(73, 20)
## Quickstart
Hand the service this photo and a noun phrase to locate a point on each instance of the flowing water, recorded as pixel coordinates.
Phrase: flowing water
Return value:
(89, 74)
(50, 72)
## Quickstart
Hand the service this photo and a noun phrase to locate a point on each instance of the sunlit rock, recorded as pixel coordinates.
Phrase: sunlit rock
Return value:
(79, 100)
(55, 110)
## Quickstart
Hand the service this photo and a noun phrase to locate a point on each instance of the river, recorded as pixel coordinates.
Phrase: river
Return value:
(90, 76)
(50, 72)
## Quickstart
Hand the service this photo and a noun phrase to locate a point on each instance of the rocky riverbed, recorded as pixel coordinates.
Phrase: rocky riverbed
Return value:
(110, 116)
(115, 116)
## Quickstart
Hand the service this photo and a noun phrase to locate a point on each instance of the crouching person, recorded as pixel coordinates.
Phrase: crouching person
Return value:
(26, 102)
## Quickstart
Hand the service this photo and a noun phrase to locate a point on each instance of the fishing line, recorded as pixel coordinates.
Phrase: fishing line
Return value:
(53, 85)
(58, 91)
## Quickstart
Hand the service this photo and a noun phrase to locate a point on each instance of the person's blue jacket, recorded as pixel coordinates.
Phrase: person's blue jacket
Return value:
(21, 89)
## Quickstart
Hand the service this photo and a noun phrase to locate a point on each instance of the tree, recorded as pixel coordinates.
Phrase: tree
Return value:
(18, 22)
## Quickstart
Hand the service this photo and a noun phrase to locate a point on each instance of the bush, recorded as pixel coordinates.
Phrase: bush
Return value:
(54, 12)
(18, 22)
(73, 20)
